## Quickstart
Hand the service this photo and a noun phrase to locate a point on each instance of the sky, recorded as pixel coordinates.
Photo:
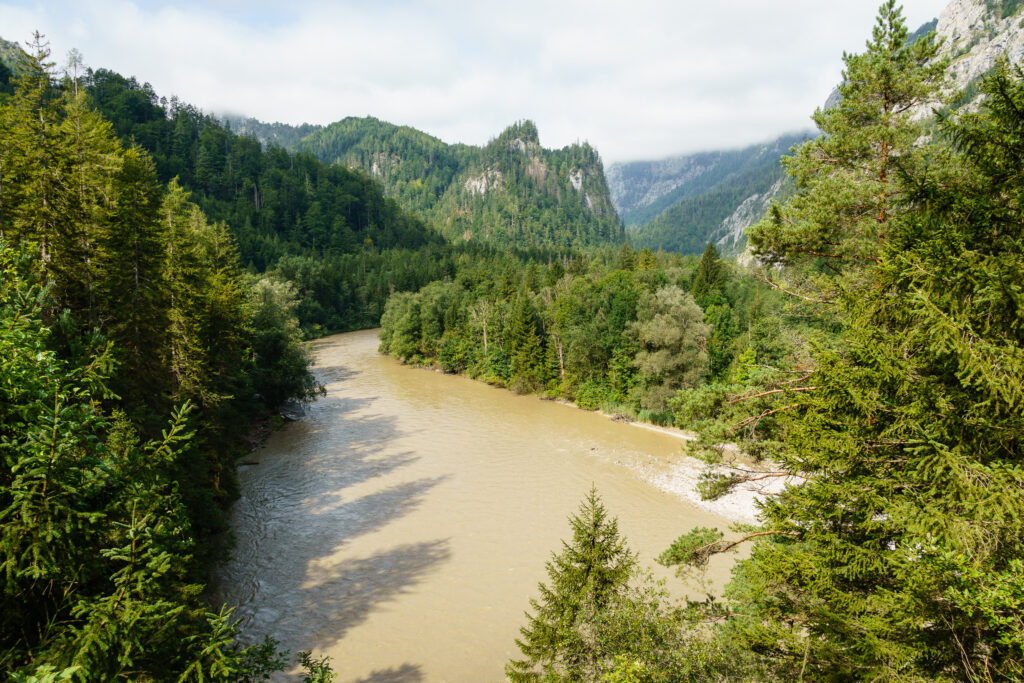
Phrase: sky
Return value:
(643, 79)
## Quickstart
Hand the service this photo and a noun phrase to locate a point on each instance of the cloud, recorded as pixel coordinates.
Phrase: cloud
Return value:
(639, 80)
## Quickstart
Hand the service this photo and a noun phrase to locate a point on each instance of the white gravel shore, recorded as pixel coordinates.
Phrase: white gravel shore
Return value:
(681, 477)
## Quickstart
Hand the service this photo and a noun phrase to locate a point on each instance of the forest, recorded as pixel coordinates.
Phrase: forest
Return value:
(159, 273)
(136, 353)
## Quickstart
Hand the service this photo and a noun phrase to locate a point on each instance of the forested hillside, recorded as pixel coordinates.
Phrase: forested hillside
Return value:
(512, 191)
(641, 190)
(135, 351)
(327, 229)
(681, 203)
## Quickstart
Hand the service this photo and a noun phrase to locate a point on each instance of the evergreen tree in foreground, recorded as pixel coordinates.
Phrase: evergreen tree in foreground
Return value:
(586, 579)
(898, 557)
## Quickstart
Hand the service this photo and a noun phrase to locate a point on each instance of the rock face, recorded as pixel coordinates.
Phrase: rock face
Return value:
(637, 185)
(731, 234)
(682, 203)
(977, 34)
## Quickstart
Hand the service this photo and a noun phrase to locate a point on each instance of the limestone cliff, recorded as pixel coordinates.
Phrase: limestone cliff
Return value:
(976, 33)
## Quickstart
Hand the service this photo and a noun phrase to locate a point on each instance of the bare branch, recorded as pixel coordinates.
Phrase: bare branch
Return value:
(773, 391)
(786, 291)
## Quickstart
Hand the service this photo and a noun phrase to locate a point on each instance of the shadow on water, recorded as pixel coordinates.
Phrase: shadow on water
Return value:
(343, 596)
(299, 510)
(407, 673)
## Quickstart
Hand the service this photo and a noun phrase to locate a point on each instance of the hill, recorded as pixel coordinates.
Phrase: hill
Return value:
(511, 191)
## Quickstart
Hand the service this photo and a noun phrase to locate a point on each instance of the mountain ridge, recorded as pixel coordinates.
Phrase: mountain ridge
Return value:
(510, 191)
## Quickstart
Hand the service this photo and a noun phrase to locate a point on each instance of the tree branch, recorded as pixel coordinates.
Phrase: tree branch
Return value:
(786, 291)
(773, 391)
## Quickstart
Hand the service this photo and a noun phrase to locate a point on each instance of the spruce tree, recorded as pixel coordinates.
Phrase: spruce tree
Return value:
(560, 640)
(898, 557)
(709, 276)
(525, 344)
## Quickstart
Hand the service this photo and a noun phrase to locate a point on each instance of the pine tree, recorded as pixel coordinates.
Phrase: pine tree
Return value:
(848, 188)
(586, 578)
(899, 556)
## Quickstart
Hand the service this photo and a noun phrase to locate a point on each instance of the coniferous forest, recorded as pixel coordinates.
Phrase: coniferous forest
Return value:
(159, 275)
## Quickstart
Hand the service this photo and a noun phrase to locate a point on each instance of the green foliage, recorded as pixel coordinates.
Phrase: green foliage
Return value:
(601, 619)
(280, 361)
(670, 333)
(1000, 9)
(509, 192)
(328, 229)
(898, 556)
(316, 670)
(561, 640)
(585, 329)
(95, 541)
(708, 279)
(125, 304)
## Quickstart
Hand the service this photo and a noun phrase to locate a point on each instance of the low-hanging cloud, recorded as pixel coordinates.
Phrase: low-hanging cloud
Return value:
(639, 80)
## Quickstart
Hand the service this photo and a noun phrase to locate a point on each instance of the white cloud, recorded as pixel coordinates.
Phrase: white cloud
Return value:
(639, 80)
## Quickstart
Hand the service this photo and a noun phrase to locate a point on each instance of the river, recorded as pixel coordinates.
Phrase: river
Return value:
(402, 527)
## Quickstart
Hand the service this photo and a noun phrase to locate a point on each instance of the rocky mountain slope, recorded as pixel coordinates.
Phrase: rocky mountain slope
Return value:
(668, 203)
(682, 203)
(511, 191)
(977, 33)
(642, 190)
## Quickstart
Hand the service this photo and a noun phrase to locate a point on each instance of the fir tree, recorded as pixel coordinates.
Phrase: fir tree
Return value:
(586, 578)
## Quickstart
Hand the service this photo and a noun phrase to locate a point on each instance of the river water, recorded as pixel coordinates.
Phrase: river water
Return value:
(402, 527)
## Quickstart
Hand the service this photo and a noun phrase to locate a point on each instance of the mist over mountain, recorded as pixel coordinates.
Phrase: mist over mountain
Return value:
(682, 202)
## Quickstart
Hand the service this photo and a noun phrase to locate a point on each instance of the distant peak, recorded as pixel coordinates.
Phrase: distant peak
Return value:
(524, 132)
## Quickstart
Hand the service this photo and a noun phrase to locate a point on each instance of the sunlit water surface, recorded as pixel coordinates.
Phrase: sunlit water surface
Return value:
(402, 527)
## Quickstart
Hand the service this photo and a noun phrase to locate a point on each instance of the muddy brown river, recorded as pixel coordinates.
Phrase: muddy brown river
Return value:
(401, 527)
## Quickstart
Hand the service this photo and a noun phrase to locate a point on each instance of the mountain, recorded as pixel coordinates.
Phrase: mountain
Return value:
(683, 202)
(9, 53)
(511, 191)
(280, 134)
